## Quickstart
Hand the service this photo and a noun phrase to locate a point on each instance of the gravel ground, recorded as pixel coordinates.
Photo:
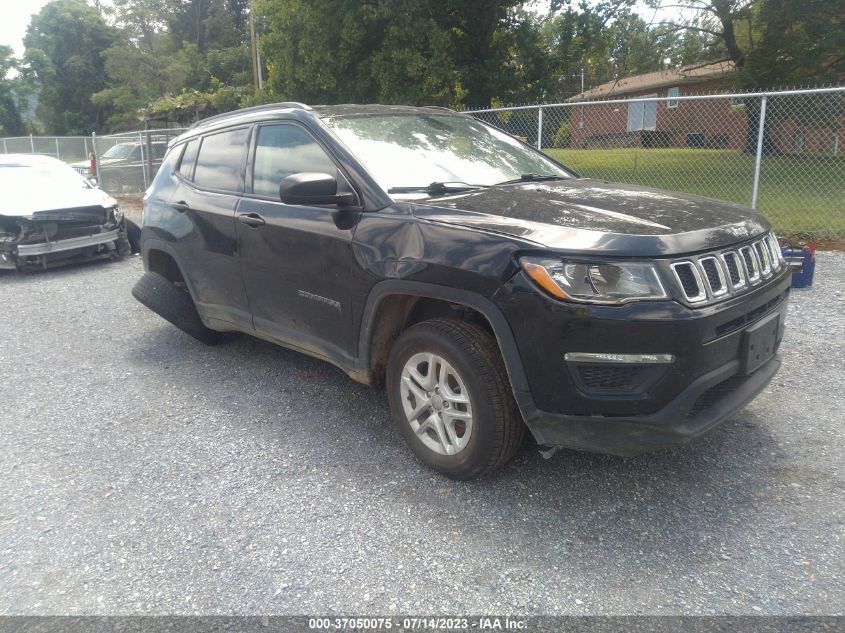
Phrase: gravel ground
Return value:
(142, 472)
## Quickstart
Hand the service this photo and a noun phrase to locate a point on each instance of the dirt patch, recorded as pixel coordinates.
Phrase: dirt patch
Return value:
(130, 204)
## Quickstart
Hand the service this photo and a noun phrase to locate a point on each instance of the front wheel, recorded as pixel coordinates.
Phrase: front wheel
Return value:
(450, 396)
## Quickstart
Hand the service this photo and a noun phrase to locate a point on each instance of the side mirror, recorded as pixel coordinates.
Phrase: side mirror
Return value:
(93, 182)
(312, 189)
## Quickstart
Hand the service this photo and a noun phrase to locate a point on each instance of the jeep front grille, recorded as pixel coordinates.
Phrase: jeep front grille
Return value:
(712, 276)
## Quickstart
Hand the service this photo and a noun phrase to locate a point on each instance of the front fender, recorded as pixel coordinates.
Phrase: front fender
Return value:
(488, 309)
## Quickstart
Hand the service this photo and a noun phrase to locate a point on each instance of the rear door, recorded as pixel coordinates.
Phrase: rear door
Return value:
(297, 261)
(204, 230)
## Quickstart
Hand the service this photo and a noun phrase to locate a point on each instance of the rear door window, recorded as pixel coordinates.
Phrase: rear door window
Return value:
(221, 160)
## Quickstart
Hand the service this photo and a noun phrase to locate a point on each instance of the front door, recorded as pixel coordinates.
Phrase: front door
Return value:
(297, 261)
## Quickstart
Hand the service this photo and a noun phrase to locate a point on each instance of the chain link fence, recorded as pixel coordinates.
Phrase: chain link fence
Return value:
(122, 163)
(782, 153)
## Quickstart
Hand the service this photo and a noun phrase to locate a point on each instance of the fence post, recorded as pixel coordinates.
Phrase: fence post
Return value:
(760, 129)
(143, 161)
(96, 160)
(5, 149)
(540, 127)
(57, 148)
(149, 173)
(31, 144)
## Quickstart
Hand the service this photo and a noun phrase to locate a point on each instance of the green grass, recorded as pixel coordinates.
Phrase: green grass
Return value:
(800, 195)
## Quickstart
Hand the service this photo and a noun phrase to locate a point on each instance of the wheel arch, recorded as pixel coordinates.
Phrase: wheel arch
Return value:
(391, 303)
(159, 257)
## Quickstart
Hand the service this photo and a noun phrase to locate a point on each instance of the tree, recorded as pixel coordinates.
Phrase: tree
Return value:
(395, 51)
(64, 45)
(155, 67)
(333, 51)
(771, 42)
(482, 42)
(217, 31)
(796, 43)
(10, 118)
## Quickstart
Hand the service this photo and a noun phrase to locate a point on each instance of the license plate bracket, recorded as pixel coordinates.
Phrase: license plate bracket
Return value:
(759, 343)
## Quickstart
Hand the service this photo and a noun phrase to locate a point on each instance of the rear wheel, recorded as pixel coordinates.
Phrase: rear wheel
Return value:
(174, 304)
(450, 395)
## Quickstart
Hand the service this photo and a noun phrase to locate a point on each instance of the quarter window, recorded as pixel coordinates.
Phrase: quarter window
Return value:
(221, 159)
(282, 150)
(189, 159)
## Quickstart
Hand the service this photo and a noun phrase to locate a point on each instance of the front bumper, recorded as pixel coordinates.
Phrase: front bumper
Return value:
(46, 248)
(712, 377)
(47, 254)
(711, 399)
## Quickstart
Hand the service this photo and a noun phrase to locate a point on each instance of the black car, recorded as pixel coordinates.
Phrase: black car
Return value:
(488, 287)
(50, 216)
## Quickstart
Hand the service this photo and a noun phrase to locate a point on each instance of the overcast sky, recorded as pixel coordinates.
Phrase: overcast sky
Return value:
(16, 15)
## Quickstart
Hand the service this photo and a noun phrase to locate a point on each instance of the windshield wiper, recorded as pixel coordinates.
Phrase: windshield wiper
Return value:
(532, 178)
(436, 188)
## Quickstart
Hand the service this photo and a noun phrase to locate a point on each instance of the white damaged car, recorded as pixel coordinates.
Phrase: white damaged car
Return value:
(50, 215)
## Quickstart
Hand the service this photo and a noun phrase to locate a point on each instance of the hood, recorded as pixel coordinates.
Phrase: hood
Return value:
(586, 214)
(56, 204)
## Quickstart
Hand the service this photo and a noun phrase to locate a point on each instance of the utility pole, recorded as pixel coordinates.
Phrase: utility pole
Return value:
(581, 120)
(257, 79)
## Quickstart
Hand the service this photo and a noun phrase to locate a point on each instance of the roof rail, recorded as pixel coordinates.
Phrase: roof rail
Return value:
(258, 108)
(442, 108)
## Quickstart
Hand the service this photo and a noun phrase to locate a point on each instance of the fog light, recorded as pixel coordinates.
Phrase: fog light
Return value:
(643, 359)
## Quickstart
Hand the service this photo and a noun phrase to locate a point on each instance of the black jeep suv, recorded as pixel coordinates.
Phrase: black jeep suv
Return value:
(486, 286)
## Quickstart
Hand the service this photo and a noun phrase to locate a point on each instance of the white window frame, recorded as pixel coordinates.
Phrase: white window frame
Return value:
(672, 102)
(639, 126)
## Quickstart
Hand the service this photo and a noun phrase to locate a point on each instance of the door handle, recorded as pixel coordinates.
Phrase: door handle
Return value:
(181, 206)
(251, 219)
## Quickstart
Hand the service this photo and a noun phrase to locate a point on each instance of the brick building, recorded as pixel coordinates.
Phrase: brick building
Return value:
(710, 123)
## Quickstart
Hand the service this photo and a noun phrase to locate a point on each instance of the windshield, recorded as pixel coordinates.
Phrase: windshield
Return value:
(122, 150)
(408, 150)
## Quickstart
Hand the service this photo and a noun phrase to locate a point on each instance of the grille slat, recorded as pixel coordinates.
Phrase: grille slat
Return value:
(734, 267)
(752, 268)
(763, 256)
(690, 281)
(715, 278)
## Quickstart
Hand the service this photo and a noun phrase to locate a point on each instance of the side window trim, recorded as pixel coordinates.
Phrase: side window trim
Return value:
(182, 148)
(253, 148)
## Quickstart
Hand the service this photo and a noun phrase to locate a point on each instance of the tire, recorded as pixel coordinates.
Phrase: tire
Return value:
(122, 248)
(471, 353)
(175, 305)
(133, 234)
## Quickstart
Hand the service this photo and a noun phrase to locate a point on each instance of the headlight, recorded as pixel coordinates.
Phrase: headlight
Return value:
(599, 282)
